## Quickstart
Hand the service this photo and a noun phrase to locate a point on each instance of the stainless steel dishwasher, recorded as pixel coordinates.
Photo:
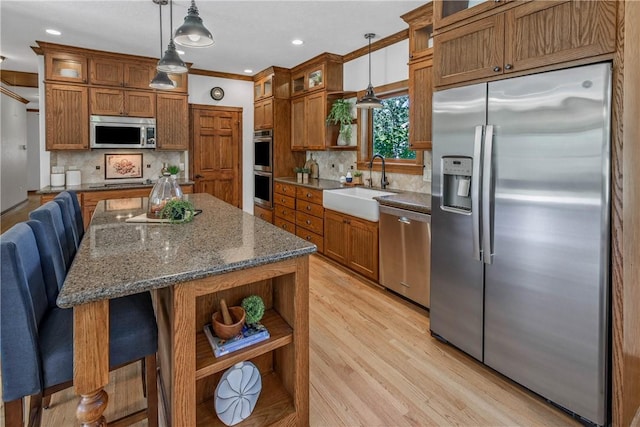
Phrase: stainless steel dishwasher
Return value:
(405, 253)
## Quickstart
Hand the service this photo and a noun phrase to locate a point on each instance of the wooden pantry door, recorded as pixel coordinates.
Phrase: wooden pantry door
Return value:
(216, 152)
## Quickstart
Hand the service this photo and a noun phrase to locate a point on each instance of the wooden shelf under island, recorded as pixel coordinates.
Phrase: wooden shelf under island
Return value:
(189, 268)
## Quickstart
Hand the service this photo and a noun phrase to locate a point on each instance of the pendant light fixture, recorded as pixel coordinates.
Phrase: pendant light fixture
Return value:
(193, 33)
(161, 80)
(369, 100)
(171, 62)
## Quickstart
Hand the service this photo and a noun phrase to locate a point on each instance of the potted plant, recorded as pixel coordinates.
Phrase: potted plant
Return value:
(298, 172)
(305, 175)
(174, 171)
(340, 113)
(357, 177)
(254, 308)
(178, 211)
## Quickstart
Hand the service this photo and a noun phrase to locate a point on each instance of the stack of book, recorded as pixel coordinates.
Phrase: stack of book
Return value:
(250, 334)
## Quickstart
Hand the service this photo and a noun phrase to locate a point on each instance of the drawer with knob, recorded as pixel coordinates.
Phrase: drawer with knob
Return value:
(311, 223)
(309, 195)
(314, 238)
(310, 208)
(285, 213)
(287, 201)
(285, 225)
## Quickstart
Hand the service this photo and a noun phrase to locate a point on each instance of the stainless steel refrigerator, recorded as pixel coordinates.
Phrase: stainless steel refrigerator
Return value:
(520, 229)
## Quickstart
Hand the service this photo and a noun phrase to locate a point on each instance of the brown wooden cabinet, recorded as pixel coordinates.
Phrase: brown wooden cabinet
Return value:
(523, 37)
(420, 76)
(315, 84)
(420, 97)
(263, 114)
(67, 117)
(449, 12)
(309, 130)
(172, 122)
(298, 209)
(420, 22)
(119, 102)
(310, 216)
(108, 84)
(114, 72)
(352, 242)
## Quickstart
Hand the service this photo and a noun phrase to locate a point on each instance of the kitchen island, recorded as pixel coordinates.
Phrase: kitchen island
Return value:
(222, 253)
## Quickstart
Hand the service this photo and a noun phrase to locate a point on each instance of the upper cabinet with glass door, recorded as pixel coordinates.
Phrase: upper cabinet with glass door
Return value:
(271, 82)
(66, 67)
(420, 32)
(323, 72)
(447, 12)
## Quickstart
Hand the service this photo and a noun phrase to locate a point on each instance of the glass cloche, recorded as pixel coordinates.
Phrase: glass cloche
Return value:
(164, 190)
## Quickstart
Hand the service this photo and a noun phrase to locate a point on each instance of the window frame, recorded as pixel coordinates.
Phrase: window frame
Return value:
(365, 136)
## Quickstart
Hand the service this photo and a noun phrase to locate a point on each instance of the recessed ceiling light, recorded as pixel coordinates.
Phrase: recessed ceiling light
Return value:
(297, 42)
(180, 52)
(53, 32)
(248, 71)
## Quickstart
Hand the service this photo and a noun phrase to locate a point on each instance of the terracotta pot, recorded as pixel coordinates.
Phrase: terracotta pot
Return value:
(228, 331)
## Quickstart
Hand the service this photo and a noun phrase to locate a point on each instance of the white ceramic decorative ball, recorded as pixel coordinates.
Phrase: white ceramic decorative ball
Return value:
(237, 393)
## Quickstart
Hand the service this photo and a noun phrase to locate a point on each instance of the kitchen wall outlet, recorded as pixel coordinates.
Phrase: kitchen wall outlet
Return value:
(148, 165)
(341, 168)
(181, 166)
(97, 167)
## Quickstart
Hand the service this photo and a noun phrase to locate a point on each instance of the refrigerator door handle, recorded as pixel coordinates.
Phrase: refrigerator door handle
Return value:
(487, 177)
(475, 193)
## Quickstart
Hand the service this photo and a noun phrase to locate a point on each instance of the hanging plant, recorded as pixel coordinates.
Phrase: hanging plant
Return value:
(341, 114)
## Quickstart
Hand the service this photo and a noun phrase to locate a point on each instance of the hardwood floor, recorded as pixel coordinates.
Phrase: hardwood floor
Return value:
(372, 363)
(19, 213)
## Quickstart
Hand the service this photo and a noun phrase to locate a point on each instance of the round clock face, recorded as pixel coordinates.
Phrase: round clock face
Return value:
(217, 93)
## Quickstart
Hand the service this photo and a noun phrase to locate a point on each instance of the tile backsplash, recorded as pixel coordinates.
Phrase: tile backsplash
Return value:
(329, 168)
(89, 161)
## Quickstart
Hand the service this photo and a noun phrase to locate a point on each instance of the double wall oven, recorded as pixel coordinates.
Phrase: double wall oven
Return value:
(263, 168)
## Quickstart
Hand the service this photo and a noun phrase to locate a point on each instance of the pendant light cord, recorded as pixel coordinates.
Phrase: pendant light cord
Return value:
(171, 19)
(160, 6)
(369, 61)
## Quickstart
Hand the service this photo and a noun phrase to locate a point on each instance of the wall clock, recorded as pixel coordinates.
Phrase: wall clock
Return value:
(217, 93)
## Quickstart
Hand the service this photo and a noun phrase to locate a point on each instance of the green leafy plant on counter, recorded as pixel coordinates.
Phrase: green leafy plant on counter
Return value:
(297, 170)
(340, 113)
(357, 173)
(173, 170)
(306, 170)
(178, 211)
(254, 309)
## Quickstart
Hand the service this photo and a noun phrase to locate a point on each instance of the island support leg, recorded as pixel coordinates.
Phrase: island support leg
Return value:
(91, 361)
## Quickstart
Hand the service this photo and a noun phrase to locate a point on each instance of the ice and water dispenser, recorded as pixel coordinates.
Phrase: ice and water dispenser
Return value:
(456, 184)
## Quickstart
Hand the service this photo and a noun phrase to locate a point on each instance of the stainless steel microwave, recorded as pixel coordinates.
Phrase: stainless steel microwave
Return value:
(122, 132)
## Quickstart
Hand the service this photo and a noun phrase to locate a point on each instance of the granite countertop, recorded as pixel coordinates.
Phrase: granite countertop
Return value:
(117, 258)
(102, 186)
(318, 184)
(418, 202)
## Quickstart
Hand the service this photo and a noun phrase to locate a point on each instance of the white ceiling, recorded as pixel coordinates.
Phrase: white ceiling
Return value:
(248, 34)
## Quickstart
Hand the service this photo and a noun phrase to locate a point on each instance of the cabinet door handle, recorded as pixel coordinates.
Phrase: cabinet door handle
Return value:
(496, 69)
(308, 207)
(308, 222)
(508, 67)
(308, 238)
(309, 195)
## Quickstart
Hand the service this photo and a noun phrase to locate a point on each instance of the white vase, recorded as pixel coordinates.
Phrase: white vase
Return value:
(342, 141)
(237, 393)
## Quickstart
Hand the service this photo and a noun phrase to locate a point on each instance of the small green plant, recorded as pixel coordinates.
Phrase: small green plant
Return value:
(173, 170)
(297, 170)
(254, 309)
(341, 114)
(306, 170)
(178, 211)
(357, 173)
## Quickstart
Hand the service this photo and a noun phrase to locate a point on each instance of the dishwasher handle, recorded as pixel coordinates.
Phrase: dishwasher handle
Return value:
(404, 215)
